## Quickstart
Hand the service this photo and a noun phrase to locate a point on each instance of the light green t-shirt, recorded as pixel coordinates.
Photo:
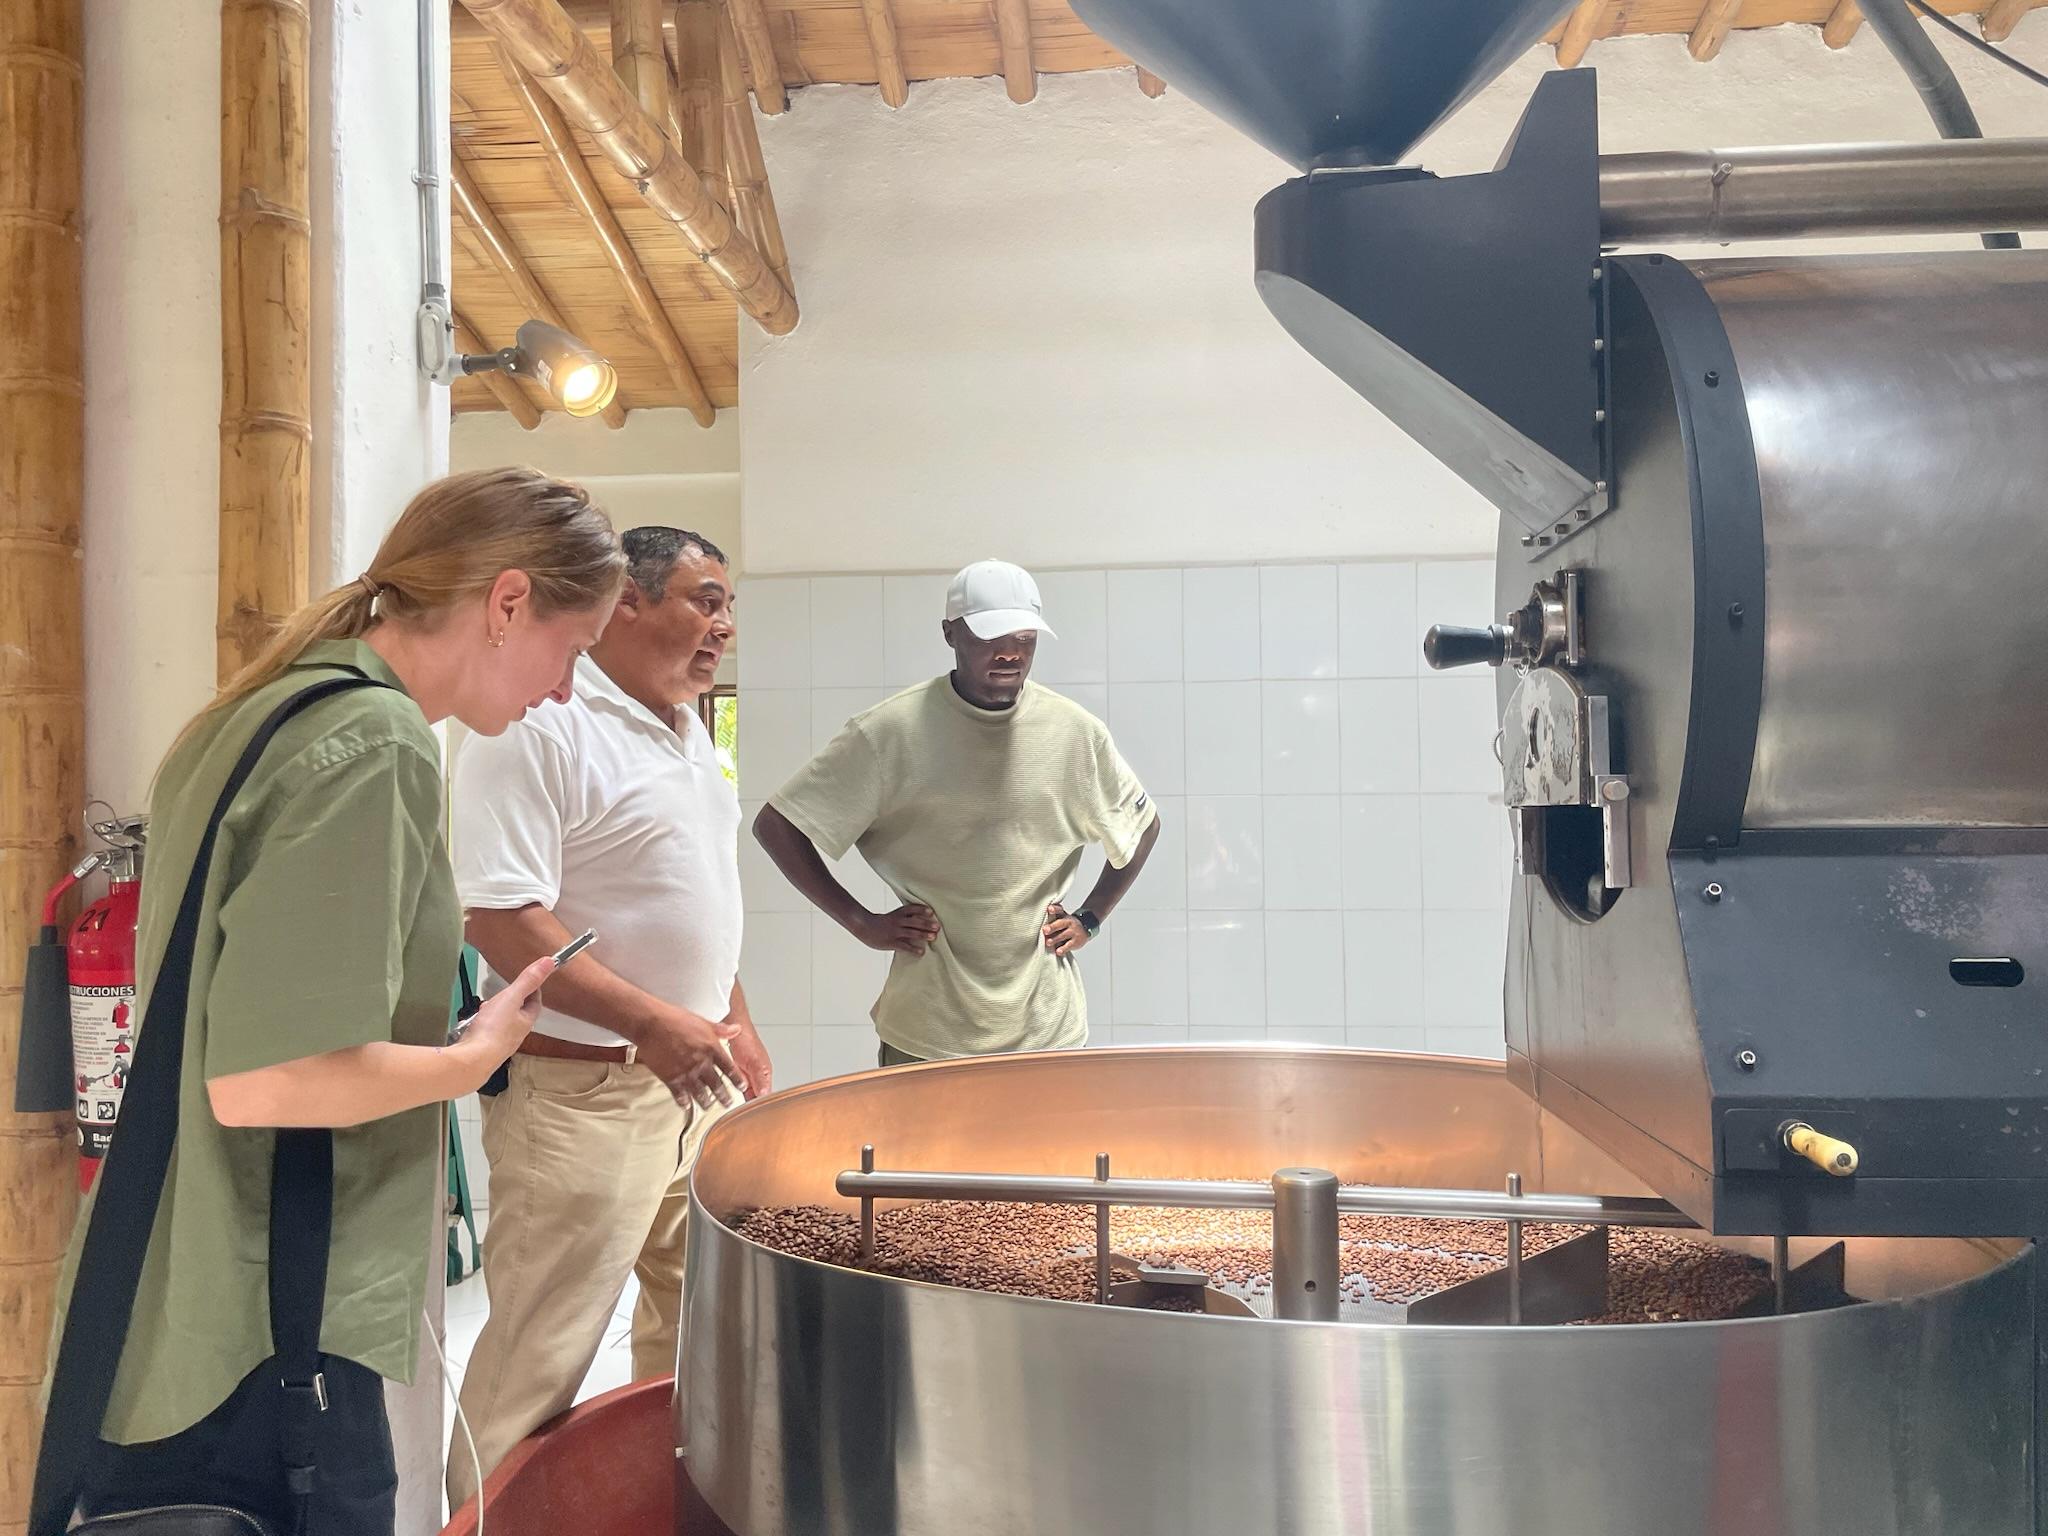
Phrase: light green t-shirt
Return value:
(982, 815)
(329, 921)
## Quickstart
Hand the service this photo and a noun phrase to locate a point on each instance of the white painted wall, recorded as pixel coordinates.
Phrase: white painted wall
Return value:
(1032, 330)
(661, 467)
(152, 270)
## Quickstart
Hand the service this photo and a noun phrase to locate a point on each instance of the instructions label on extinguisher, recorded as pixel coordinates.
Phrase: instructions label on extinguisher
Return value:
(102, 1053)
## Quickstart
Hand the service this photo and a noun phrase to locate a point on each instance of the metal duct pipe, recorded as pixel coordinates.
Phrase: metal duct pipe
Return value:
(1894, 23)
(1798, 191)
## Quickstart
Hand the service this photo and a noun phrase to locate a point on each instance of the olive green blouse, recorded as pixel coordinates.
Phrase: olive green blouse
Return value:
(329, 920)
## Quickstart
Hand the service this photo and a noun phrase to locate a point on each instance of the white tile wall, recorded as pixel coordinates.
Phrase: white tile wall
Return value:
(1298, 621)
(846, 631)
(1334, 865)
(1224, 750)
(913, 648)
(1145, 627)
(1077, 607)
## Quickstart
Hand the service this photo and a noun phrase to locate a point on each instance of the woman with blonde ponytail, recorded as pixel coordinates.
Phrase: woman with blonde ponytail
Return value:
(320, 972)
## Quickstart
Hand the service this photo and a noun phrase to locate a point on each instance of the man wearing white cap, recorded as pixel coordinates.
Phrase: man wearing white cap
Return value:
(972, 796)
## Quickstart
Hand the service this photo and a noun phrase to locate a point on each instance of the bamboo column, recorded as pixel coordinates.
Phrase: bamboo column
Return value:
(42, 665)
(266, 322)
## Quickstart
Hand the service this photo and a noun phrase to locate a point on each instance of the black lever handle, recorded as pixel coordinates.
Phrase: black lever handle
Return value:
(1448, 645)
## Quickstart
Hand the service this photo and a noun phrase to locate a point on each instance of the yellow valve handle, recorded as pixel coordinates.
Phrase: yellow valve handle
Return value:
(1824, 1152)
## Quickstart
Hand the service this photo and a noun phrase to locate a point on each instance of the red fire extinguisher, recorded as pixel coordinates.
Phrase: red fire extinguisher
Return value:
(100, 959)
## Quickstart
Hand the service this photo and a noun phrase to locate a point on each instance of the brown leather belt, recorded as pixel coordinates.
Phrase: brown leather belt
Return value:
(557, 1049)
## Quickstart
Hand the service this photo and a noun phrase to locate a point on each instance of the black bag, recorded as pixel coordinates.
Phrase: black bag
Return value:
(131, 1183)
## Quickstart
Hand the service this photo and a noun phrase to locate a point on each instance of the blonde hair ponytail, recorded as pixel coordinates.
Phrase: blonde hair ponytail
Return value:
(454, 539)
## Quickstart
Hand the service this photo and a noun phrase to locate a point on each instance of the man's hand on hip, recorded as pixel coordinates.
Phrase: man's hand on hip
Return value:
(910, 929)
(1063, 932)
(688, 1052)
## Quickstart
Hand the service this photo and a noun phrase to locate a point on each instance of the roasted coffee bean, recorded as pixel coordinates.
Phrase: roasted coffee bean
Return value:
(1049, 1251)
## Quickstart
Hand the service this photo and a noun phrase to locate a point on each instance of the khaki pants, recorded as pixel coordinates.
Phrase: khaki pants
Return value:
(590, 1167)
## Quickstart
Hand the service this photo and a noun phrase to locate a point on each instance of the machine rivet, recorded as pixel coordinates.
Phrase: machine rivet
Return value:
(1735, 612)
(1598, 273)
(1713, 379)
(1599, 415)
(1528, 539)
(1600, 486)
(1599, 344)
(1746, 1060)
(1712, 891)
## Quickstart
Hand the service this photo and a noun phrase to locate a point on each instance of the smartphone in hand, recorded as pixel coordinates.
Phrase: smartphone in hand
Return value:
(575, 947)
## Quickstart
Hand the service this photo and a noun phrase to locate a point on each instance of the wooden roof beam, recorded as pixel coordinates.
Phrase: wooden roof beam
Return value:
(560, 146)
(1717, 19)
(2000, 18)
(889, 74)
(550, 47)
(496, 380)
(700, 96)
(1150, 83)
(1580, 28)
(639, 56)
(753, 201)
(1843, 22)
(750, 25)
(494, 246)
(1013, 25)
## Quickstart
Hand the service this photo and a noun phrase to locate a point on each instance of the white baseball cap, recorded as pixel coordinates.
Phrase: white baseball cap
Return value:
(996, 598)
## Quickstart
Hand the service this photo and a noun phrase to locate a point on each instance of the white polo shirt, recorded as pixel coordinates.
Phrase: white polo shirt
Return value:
(597, 811)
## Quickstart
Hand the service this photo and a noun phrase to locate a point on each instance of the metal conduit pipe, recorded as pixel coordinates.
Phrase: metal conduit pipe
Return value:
(1805, 190)
(1902, 34)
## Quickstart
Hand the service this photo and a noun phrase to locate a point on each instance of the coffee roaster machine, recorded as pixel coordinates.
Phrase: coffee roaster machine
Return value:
(1768, 628)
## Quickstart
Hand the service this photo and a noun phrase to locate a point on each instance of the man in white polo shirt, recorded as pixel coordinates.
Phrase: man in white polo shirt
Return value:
(973, 796)
(607, 812)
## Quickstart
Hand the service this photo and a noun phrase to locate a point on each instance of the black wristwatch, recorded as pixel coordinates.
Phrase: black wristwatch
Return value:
(1090, 923)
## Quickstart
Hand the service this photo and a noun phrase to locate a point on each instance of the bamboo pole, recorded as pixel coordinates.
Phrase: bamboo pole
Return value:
(1580, 28)
(1842, 24)
(560, 147)
(266, 322)
(638, 57)
(1717, 19)
(750, 25)
(501, 384)
(494, 246)
(42, 660)
(1150, 83)
(2001, 17)
(552, 49)
(889, 74)
(753, 200)
(1013, 26)
(702, 111)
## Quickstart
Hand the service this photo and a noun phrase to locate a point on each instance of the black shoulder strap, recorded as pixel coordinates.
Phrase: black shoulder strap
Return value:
(131, 1183)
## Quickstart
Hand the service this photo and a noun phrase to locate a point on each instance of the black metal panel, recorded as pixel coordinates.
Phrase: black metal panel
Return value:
(1820, 967)
(1465, 309)
(1728, 551)
(1326, 82)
